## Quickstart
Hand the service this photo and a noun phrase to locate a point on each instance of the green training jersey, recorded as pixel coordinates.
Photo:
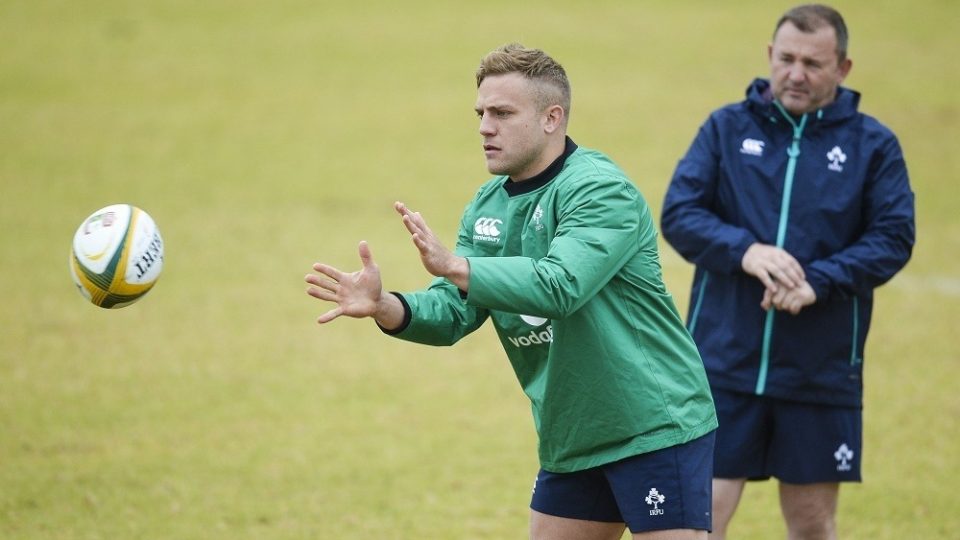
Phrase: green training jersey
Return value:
(566, 266)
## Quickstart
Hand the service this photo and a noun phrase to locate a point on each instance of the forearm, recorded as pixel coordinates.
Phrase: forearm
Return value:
(704, 240)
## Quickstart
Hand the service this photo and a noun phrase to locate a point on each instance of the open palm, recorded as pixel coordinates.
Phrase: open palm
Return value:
(355, 293)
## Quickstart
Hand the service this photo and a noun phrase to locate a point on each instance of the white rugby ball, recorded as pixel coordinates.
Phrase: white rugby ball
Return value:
(117, 256)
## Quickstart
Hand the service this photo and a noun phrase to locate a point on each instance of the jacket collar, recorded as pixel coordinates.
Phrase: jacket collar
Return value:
(760, 101)
(544, 177)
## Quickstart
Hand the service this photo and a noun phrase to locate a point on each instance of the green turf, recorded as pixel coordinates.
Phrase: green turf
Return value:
(262, 136)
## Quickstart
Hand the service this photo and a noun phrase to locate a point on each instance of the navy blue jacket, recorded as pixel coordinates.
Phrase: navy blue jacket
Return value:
(830, 188)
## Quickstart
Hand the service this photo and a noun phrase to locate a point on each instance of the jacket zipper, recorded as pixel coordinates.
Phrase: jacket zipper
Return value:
(793, 152)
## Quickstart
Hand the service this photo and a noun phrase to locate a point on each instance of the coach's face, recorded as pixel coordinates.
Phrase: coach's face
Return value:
(805, 70)
(515, 130)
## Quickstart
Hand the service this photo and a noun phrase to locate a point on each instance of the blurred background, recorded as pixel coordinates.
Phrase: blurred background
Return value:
(264, 136)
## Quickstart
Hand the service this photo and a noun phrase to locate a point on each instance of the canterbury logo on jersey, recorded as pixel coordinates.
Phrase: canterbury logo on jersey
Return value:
(486, 229)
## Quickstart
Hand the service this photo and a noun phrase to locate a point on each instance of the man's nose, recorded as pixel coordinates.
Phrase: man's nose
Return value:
(797, 72)
(487, 125)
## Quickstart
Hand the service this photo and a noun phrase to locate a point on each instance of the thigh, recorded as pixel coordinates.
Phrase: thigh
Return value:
(675, 534)
(547, 527)
(666, 489)
(810, 509)
(743, 436)
(726, 498)
(582, 495)
(816, 443)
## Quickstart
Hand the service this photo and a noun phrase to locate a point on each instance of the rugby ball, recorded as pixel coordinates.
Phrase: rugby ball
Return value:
(117, 256)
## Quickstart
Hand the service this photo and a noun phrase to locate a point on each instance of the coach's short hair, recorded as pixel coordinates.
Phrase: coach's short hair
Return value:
(812, 17)
(553, 87)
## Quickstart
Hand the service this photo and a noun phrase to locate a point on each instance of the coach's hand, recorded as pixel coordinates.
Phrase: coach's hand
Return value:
(791, 300)
(773, 266)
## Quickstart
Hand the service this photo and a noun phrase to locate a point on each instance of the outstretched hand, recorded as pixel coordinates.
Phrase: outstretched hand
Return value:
(357, 294)
(436, 258)
(360, 294)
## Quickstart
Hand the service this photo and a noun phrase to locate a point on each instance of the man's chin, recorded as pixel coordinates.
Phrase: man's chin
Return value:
(496, 169)
(795, 106)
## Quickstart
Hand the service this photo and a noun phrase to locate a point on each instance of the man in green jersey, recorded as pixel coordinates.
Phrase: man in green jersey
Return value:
(559, 251)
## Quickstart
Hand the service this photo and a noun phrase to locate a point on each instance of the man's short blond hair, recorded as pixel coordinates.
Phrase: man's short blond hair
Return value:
(552, 85)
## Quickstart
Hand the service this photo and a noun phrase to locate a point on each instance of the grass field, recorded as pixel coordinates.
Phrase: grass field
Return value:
(263, 136)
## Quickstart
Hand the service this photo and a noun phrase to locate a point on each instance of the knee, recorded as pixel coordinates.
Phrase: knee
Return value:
(811, 528)
(810, 511)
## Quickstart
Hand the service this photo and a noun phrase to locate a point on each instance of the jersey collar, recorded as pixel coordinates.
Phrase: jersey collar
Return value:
(543, 178)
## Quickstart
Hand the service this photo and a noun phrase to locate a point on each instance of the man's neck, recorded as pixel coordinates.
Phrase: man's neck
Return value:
(555, 148)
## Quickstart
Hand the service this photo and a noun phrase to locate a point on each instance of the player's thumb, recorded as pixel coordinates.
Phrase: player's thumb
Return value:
(366, 257)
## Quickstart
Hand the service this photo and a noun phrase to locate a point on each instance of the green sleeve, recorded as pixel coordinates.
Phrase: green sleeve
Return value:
(598, 230)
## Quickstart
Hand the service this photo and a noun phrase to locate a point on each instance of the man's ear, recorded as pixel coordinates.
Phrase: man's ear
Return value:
(553, 118)
(844, 69)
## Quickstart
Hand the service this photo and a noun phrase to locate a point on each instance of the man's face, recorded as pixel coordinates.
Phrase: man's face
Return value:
(512, 126)
(804, 68)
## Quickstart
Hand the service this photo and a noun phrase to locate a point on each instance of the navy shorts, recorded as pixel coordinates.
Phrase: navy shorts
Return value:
(797, 443)
(664, 489)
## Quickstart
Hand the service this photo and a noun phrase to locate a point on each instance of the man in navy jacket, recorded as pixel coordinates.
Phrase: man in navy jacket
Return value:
(793, 206)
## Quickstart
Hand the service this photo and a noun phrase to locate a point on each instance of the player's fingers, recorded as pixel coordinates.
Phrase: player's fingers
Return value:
(422, 224)
(366, 256)
(418, 231)
(321, 282)
(321, 294)
(328, 271)
(422, 246)
(409, 216)
(418, 219)
(409, 224)
(326, 284)
(330, 315)
(414, 222)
